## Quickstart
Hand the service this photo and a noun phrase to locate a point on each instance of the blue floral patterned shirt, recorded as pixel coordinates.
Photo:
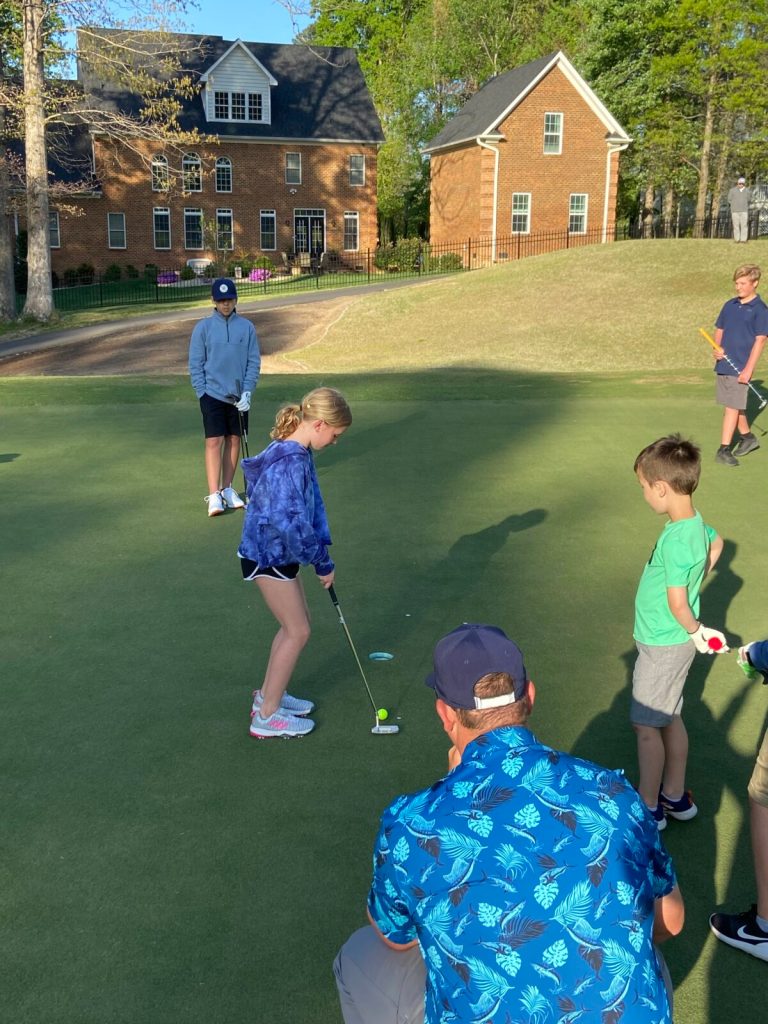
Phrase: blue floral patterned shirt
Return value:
(528, 877)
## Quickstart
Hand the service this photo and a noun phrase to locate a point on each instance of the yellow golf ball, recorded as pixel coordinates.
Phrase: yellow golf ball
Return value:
(383, 714)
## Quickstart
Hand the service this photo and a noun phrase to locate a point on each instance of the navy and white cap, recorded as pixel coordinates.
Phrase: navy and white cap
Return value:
(468, 653)
(223, 288)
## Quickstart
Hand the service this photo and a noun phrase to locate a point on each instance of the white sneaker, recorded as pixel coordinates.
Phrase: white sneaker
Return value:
(281, 725)
(231, 498)
(291, 705)
(215, 504)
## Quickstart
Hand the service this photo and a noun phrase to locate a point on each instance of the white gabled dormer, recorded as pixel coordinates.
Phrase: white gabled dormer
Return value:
(237, 88)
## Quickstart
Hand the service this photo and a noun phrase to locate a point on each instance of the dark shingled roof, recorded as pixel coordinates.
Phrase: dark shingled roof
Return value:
(484, 108)
(320, 93)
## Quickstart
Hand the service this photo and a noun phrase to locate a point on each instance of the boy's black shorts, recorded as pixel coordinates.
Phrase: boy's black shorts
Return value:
(221, 419)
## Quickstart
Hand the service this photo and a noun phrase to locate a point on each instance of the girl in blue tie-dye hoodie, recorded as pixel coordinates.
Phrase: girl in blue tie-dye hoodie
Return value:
(285, 527)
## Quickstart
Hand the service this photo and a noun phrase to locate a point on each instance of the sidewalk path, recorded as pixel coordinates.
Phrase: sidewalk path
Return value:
(158, 343)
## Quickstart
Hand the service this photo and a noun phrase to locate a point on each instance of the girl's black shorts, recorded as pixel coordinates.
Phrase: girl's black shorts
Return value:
(251, 571)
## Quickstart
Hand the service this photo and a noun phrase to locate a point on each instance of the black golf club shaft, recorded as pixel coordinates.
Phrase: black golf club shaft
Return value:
(337, 606)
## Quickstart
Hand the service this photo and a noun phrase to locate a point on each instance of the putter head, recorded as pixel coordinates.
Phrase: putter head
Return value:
(380, 729)
(762, 404)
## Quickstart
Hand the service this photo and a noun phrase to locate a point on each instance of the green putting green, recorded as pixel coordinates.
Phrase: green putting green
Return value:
(159, 865)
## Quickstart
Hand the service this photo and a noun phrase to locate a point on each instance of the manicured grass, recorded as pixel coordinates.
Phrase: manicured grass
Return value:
(160, 866)
(604, 308)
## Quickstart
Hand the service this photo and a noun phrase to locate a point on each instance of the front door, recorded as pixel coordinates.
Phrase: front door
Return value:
(309, 231)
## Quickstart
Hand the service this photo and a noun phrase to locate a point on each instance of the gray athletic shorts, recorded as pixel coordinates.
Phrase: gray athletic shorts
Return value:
(758, 784)
(658, 681)
(729, 391)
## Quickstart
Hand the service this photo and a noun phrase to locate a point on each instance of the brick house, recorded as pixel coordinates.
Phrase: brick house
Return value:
(533, 151)
(293, 170)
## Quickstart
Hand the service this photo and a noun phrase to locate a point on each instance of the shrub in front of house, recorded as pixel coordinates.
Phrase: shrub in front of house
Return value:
(187, 274)
(450, 261)
(112, 273)
(131, 272)
(150, 272)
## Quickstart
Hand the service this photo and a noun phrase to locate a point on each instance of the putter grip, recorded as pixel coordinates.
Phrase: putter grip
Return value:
(332, 595)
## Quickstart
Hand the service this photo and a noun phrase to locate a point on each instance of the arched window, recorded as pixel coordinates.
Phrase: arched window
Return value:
(160, 180)
(223, 174)
(192, 173)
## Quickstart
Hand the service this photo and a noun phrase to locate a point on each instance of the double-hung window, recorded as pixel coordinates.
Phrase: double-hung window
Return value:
(268, 238)
(357, 170)
(116, 230)
(161, 227)
(521, 213)
(192, 173)
(223, 174)
(160, 176)
(577, 213)
(351, 230)
(553, 134)
(193, 229)
(224, 230)
(54, 232)
(293, 168)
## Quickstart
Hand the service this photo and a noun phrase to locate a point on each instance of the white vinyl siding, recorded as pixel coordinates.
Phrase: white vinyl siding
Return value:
(240, 92)
(116, 230)
(577, 213)
(553, 134)
(521, 213)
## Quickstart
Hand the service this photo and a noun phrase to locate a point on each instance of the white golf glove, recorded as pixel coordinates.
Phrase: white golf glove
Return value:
(702, 638)
(244, 403)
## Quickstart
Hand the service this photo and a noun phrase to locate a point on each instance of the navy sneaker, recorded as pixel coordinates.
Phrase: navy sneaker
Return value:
(683, 809)
(742, 932)
(747, 444)
(659, 816)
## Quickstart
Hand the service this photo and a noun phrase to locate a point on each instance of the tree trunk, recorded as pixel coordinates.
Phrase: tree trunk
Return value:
(722, 167)
(706, 149)
(668, 213)
(648, 210)
(39, 302)
(7, 284)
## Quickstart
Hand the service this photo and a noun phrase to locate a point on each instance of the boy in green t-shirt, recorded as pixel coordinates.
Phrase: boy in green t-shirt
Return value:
(667, 628)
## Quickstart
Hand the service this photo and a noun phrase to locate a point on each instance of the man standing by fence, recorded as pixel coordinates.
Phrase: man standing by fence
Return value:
(738, 200)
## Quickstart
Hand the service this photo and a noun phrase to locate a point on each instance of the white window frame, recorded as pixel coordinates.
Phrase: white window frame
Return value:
(360, 171)
(250, 98)
(163, 210)
(225, 215)
(54, 230)
(160, 174)
(224, 102)
(521, 213)
(574, 213)
(110, 231)
(549, 148)
(266, 215)
(353, 217)
(241, 105)
(223, 164)
(189, 163)
(189, 211)
(288, 179)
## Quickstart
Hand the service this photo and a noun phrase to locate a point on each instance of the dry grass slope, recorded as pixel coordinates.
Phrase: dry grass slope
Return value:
(631, 306)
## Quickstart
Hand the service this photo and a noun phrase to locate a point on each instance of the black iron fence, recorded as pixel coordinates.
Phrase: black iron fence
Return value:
(408, 258)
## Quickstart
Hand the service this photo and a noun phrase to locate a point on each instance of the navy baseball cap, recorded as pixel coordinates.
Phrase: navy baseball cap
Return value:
(223, 288)
(468, 653)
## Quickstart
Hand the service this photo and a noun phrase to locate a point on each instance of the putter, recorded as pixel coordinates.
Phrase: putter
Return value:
(243, 436)
(761, 397)
(379, 728)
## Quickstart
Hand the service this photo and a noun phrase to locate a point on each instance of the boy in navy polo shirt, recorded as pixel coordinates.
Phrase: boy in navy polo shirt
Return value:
(741, 331)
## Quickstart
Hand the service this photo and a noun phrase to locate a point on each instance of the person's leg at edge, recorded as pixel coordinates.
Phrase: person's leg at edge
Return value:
(379, 985)
(229, 459)
(758, 816)
(742, 424)
(736, 227)
(213, 446)
(730, 419)
(286, 601)
(650, 761)
(675, 739)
